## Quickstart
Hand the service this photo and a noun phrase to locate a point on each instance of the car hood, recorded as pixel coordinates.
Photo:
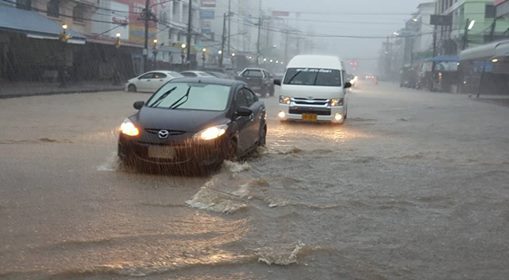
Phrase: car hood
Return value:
(180, 120)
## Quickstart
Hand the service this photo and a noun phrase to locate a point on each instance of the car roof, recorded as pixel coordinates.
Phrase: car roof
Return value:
(209, 80)
(316, 61)
(254, 68)
(161, 71)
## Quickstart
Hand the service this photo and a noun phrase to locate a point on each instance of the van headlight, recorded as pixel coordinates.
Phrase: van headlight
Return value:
(212, 132)
(284, 100)
(336, 102)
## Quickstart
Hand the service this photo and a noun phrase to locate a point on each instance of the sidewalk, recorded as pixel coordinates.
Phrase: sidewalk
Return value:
(21, 89)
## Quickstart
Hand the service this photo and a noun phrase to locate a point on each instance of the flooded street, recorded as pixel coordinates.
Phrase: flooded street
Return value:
(413, 186)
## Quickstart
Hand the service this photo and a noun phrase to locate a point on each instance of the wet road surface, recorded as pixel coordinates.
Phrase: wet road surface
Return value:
(412, 186)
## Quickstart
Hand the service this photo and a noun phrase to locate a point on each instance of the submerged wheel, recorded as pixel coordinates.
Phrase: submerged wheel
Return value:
(263, 136)
(131, 88)
(231, 150)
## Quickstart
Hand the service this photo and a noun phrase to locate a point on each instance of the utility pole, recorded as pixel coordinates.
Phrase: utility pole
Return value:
(223, 40)
(229, 25)
(189, 29)
(260, 21)
(287, 35)
(146, 18)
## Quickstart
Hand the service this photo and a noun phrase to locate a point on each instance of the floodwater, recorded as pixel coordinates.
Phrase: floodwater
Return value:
(412, 186)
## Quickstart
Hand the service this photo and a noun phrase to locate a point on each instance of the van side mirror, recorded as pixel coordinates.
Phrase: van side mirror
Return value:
(348, 85)
(138, 105)
(277, 82)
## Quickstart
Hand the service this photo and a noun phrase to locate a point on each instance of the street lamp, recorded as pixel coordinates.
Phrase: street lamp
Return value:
(183, 53)
(203, 56)
(469, 25)
(64, 37)
(155, 51)
(117, 40)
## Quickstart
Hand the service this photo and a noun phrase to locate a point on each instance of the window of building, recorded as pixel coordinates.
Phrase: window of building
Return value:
(491, 11)
(78, 13)
(24, 4)
(163, 17)
(53, 8)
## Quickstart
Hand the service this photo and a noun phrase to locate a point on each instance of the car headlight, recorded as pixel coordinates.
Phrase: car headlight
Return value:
(128, 128)
(211, 133)
(336, 102)
(284, 99)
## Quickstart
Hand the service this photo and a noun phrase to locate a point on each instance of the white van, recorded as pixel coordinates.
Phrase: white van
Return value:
(314, 89)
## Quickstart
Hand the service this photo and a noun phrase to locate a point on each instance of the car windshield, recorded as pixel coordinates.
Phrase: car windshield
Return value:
(313, 77)
(191, 96)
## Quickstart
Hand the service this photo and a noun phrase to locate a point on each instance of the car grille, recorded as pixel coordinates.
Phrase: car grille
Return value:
(310, 102)
(172, 132)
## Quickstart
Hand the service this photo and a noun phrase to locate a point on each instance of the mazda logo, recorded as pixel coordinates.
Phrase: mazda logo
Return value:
(163, 134)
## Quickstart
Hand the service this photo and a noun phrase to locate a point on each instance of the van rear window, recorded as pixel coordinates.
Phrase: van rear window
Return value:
(313, 77)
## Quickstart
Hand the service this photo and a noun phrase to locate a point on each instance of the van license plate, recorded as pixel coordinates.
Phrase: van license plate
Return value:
(162, 152)
(309, 117)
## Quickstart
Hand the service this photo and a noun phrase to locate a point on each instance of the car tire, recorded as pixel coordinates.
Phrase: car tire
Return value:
(131, 88)
(263, 136)
(230, 152)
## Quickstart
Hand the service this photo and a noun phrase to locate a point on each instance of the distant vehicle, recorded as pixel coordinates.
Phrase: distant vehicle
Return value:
(372, 78)
(259, 80)
(193, 123)
(314, 89)
(220, 75)
(279, 76)
(150, 81)
(195, 73)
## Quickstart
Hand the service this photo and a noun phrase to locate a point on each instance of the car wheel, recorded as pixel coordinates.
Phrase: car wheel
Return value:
(131, 88)
(263, 136)
(231, 150)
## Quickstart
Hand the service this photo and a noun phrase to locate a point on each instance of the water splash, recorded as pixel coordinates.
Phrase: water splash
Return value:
(111, 164)
(283, 256)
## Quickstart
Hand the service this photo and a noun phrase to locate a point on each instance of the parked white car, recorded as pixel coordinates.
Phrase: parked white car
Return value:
(150, 81)
(194, 73)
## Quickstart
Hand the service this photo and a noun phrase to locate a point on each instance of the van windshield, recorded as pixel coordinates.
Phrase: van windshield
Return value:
(312, 77)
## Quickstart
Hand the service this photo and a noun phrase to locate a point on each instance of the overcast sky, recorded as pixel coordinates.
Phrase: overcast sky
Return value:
(351, 18)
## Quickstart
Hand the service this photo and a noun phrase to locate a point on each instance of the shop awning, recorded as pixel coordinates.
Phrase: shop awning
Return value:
(34, 25)
(486, 51)
(443, 58)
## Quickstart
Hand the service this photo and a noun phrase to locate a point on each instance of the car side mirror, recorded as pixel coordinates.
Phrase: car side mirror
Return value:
(277, 82)
(138, 105)
(244, 112)
(348, 85)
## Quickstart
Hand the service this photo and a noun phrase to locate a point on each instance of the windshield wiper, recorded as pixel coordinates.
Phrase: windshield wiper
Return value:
(162, 97)
(293, 77)
(176, 104)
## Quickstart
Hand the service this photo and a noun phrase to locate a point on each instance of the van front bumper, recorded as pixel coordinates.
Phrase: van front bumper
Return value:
(335, 114)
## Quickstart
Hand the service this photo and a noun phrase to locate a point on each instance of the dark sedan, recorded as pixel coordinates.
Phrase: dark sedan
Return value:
(193, 123)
